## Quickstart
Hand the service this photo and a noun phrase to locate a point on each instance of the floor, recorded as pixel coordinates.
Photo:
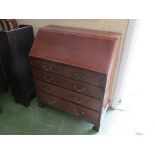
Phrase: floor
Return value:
(33, 120)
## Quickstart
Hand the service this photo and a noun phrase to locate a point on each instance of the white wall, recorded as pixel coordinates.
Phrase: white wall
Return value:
(141, 73)
(115, 25)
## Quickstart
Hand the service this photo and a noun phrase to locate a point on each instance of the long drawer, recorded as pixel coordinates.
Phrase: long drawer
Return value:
(69, 84)
(74, 73)
(71, 96)
(63, 105)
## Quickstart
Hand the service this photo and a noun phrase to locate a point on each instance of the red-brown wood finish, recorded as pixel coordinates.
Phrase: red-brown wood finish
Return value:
(79, 87)
(84, 76)
(73, 68)
(88, 51)
(68, 95)
(47, 66)
(69, 107)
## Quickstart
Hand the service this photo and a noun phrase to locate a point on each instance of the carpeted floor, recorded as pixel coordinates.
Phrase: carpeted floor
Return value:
(33, 120)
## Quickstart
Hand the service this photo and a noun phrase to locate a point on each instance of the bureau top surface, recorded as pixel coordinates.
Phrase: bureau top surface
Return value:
(84, 48)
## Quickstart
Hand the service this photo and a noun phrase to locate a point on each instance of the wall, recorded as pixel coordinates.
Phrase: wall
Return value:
(115, 25)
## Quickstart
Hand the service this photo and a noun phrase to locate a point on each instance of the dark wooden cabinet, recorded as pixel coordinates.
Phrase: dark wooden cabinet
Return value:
(3, 78)
(14, 48)
(73, 69)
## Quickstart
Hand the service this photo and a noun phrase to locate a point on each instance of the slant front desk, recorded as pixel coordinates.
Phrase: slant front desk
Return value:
(73, 70)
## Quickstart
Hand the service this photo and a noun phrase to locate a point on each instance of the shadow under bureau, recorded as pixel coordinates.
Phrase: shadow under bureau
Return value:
(74, 70)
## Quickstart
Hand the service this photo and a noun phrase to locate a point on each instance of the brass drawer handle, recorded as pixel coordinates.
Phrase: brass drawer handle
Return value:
(50, 101)
(79, 76)
(48, 78)
(49, 91)
(78, 100)
(79, 88)
(78, 113)
(47, 68)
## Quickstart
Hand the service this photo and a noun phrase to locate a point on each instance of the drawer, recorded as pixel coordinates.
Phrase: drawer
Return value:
(69, 84)
(85, 76)
(47, 66)
(83, 88)
(66, 106)
(68, 95)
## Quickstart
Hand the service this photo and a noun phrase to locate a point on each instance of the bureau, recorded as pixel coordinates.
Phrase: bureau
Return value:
(73, 70)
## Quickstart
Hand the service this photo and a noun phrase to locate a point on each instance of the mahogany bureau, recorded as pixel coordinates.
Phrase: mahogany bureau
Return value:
(73, 70)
